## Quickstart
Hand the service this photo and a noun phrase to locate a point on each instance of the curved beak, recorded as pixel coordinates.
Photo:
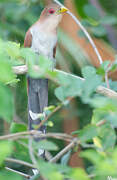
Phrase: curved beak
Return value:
(62, 10)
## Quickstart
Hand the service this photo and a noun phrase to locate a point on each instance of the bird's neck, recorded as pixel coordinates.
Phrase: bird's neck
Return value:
(47, 26)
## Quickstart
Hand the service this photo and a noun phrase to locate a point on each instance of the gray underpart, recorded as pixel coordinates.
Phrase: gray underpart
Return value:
(37, 101)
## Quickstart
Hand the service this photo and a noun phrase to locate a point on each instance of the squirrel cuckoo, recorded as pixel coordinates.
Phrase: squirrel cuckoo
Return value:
(42, 39)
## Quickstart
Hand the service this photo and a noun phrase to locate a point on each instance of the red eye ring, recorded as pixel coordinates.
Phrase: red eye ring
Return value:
(51, 11)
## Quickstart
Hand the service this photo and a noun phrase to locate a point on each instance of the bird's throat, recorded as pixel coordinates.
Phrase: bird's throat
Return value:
(50, 24)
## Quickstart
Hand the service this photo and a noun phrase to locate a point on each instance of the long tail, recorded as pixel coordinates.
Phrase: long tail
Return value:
(37, 101)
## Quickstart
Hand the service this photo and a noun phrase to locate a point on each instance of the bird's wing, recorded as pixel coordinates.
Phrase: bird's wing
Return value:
(28, 39)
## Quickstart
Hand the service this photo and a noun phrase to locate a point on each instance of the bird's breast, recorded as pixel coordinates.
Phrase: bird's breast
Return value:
(43, 43)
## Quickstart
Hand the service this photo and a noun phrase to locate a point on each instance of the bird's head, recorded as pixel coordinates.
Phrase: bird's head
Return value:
(52, 14)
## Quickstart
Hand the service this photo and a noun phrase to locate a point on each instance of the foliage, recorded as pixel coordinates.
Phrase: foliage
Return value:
(98, 142)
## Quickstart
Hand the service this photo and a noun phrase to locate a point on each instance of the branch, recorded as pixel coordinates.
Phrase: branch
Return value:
(60, 4)
(89, 38)
(20, 162)
(74, 141)
(48, 155)
(106, 92)
(66, 149)
(61, 136)
(100, 123)
(48, 117)
(17, 172)
(100, 89)
(20, 69)
(31, 153)
(72, 144)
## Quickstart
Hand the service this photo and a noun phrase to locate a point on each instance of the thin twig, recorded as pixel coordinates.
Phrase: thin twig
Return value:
(51, 114)
(107, 80)
(60, 4)
(106, 92)
(17, 172)
(54, 135)
(48, 155)
(100, 123)
(19, 135)
(88, 37)
(48, 117)
(20, 162)
(100, 89)
(66, 149)
(91, 176)
(61, 136)
(20, 69)
(31, 153)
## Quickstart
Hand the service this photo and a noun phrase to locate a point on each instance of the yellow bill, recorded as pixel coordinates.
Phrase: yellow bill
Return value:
(62, 10)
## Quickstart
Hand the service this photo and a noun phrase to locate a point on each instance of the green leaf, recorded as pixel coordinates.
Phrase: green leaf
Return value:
(104, 104)
(88, 71)
(6, 73)
(44, 64)
(91, 12)
(4, 174)
(50, 124)
(13, 49)
(113, 65)
(47, 145)
(79, 6)
(6, 103)
(99, 31)
(78, 173)
(112, 119)
(71, 86)
(92, 156)
(5, 150)
(87, 133)
(65, 158)
(109, 20)
(21, 150)
(89, 86)
(50, 171)
(108, 137)
(103, 68)
(98, 115)
(60, 93)
(28, 54)
(13, 82)
(105, 165)
(16, 127)
(48, 110)
(113, 85)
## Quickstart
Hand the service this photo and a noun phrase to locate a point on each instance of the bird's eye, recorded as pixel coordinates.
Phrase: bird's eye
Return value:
(51, 11)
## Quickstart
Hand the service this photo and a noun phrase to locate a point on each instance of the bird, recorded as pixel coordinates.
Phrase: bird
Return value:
(41, 37)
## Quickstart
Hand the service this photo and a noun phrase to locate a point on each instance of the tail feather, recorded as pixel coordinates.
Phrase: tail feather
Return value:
(37, 101)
